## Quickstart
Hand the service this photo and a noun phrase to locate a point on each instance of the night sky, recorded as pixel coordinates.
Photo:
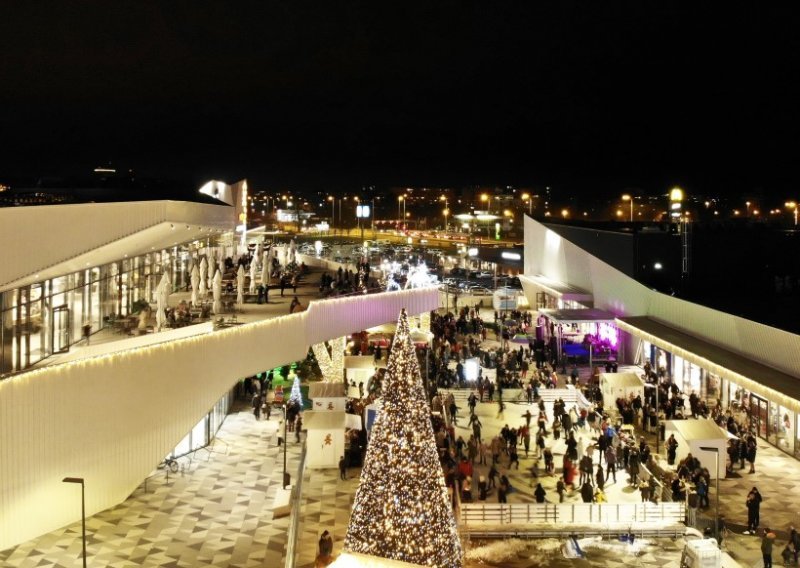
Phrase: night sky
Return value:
(590, 97)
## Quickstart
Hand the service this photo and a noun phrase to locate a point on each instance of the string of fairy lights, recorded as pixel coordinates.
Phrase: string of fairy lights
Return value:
(402, 508)
(330, 363)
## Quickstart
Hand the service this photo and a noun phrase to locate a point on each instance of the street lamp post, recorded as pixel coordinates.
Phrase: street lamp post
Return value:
(716, 466)
(446, 210)
(83, 511)
(793, 205)
(627, 197)
(332, 199)
(527, 197)
(285, 441)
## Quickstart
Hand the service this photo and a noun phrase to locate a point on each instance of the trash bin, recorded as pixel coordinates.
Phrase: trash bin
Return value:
(287, 479)
(661, 431)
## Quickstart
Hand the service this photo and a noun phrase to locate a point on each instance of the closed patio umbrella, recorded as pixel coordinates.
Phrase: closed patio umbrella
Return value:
(212, 268)
(217, 292)
(240, 286)
(203, 287)
(195, 284)
(265, 269)
(162, 293)
(253, 275)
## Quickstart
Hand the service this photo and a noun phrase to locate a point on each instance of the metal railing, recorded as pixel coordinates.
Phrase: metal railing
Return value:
(565, 514)
(292, 535)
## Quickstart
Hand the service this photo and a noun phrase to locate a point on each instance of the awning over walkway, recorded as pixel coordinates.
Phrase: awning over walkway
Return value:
(558, 289)
(754, 376)
(700, 430)
(588, 315)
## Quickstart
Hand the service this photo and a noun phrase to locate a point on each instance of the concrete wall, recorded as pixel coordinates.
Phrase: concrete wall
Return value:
(112, 418)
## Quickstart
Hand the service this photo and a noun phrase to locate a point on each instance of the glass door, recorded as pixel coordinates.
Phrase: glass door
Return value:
(759, 415)
(59, 332)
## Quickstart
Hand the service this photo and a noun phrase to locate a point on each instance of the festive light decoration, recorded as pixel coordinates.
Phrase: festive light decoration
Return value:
(425, 322)
(419, 277)
(402, 508)
(331, 363)
(296, 395)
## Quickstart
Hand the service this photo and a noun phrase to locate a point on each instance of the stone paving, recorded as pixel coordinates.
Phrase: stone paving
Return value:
(216, 514)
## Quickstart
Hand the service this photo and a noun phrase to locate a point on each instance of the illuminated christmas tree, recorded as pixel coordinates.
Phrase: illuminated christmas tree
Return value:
(296, 395)
(402, 508)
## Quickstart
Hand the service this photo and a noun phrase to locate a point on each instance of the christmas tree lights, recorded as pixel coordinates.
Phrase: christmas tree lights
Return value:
(296, 395)
(402, 508)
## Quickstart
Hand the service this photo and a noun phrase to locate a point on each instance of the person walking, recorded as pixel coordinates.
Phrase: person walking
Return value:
(751, 453)
(767, 542)
(672, 448)
(599, 477)
(540, 493)
(325, 549)
(560, 489)
(342, 468)
(794, 540)
(611, 463)
(753, 510)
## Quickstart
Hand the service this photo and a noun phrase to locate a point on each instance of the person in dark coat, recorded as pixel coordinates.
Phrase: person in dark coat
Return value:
(753, 510)
(539, 493)
(599, 477)
(587, 492)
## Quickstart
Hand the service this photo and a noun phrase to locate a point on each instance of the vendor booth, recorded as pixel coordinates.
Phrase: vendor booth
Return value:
(620, 385)
(505, 299)
(592, 329)
(324, 438)
(359, 368)
(371, 413)
(327, 396)
(692, 435)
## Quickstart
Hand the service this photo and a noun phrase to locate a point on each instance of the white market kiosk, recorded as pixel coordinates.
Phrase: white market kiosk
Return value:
(620, 385)
(325, 436)
(327, 396)
(359, 368)
(693, 434)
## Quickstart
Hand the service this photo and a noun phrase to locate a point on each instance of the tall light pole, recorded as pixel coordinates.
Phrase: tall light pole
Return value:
(716, 466)
(400, 201)
(792, 205)
(446, 210)
(333, 208)
(83, 511)
(627, 197)
(527, 197)
(485, 198)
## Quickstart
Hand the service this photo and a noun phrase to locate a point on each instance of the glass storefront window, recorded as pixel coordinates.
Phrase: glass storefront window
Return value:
(782, 428)
(200, 433)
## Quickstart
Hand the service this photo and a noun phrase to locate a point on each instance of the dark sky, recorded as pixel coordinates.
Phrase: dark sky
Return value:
(594, 96)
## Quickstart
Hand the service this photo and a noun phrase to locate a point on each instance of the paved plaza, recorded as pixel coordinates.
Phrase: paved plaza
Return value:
(217, 514)
(217, 511)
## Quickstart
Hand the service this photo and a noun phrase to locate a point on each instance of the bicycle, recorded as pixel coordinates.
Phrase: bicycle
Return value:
(169, 463)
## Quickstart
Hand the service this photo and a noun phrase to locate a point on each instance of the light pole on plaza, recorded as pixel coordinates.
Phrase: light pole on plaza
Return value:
(527, 197)
(402, 200)
(793, 206)
(83, 511)
(285, 442)
(716, 466)
(446, 210)
(485, 198)
(628, 197)
(333, 208)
